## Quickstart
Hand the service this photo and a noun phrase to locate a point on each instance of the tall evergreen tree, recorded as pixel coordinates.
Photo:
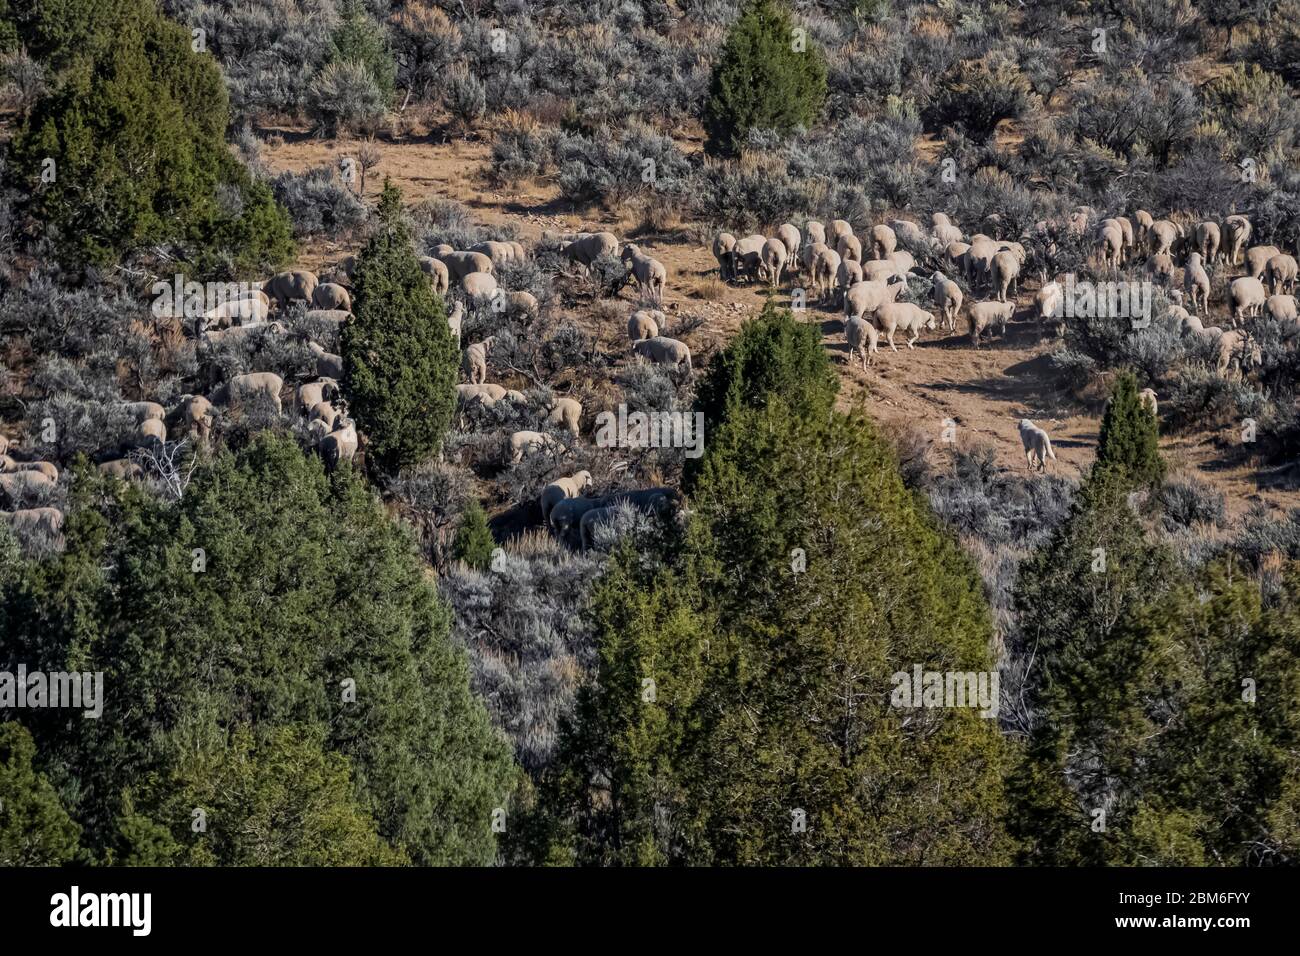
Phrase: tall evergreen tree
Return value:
(35, 829)
(400, 358)
(769, 75)
(1129, 442)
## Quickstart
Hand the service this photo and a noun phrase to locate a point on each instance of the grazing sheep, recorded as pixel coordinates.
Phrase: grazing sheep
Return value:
(723, 244)
(327, 412)
(866, 297)
(522, 305)
(486, 393)
(747, 257)
(642, 326)
(1282, 308)
(981, 315)
(1160, 266)
(946, 234)
(1237, 231)
(461, 264)
(946, 296)
(328, 364)
(1148, 398)
(1006, 270)
(957, 257)
(27, 521)
(661, 350)
(566, 413)
(242, 388)
(1144, 224)
(788, 233)
(1126, 227)
(236, 312)
(139, 411)
(286, 287)
(479, 285)
(1038, 447)
(816, 231)
(123, 468)
(879, 270)
(903, 315)
(1196, 282)
(589, 247)
(527, 442)
(1281, 272)
(849, 247)
(1257, 259)
(774, 257)
(475, 360)
(1110, 245)
(979, 260)
(521, 254)
(311, 394)
(904, 262)
(455, 318)
(150, 433)
(908, 232)
(438, 274)
(1208, 240)
(883, 241)
(849, 275)
(862, 338)
(17, 485)
(566, 514)
(571, 486)
(839, 228)
(1247, 296)
(194, 413)
(650, 274)
(340, 445)
(825, 267)
(1237, 352)
(8, 465)
(331, 296)
(496, 251)
(240, 333)
(1162, 237)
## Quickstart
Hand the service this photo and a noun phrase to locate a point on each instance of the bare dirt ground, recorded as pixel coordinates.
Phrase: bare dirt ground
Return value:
(984, 391)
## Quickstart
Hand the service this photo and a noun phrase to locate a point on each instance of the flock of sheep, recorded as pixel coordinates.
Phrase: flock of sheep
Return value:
(831, 269)
(320, 404)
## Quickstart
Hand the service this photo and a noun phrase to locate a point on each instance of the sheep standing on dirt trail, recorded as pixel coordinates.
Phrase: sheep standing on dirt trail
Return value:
(723, 244)
(981, 315)
(570, 486)
(662, 350)
(866, 297)
(825, 267)
(862, 338)
(747, 257)
(650, 274)
(1038, 447)
(475, 360)
(774, 257)
(642, 325)
(566, 413)
(946, 296)
(903, 315)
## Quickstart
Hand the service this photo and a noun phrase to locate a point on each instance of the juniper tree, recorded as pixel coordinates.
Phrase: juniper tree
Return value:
(769, 76)
(1129, 443)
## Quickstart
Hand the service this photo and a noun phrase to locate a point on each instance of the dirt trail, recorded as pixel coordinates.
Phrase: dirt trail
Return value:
(984, 391)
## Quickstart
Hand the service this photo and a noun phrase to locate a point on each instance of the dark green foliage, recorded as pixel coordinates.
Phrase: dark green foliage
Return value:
(474, 543)
(1129, 443)
(359, 39)
(35, 830)
(135, 127)
(310, 610)
(761, 81)
(400, 358)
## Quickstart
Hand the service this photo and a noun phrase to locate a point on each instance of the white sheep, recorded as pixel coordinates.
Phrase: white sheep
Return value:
(565, 413)
(862, 338)
(650, 274)
(981, 315)
(1038, 447)
(947, 298)
(723, 244)
(892, 316)
(570, 486)
(868, 296)
(475, 360)
(26, 521)
(662, 350)
(527, 442)
(436, 270)
(642, 325)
